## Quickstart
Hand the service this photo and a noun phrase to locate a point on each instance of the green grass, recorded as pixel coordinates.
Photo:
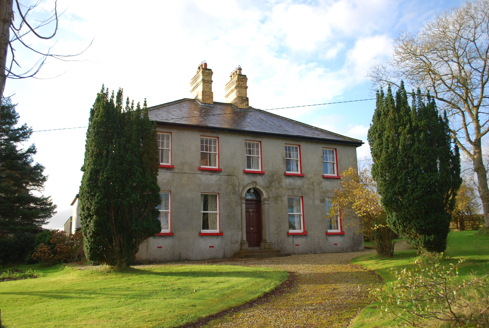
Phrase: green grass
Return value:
(463, 244)
(154, 296)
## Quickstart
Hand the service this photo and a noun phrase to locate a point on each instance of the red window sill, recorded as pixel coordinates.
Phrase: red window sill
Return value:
(164, 234)
(210, 169)
(296, 233)
(210, 233)
(166, 166)
(254, 172)
(334, 233)
(294, 174)
(331, 177)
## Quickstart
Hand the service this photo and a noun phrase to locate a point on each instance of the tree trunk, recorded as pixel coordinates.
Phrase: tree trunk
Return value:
(5, 20)
(481, 172)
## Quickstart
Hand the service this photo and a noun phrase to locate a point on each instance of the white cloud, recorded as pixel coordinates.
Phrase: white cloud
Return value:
(358, 131)
(367, 52)
(363, 152)
(293, 54)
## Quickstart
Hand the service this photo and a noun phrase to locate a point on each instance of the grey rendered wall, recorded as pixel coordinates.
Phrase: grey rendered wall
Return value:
(186, 184)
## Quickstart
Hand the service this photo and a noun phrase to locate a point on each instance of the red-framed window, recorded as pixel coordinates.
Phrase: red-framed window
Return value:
(165, 149)
(253, 154)
(330, 163)
(210, 215)
(335, 224)
(165, 213)
(295, 212)
(293, 163)
(209, 153)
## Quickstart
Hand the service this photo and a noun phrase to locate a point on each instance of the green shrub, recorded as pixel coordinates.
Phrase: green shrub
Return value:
(15, 248)
(60, 248)
(432, 292)
(16, 274)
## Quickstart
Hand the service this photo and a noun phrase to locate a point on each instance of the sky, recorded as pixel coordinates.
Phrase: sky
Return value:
(293, 53)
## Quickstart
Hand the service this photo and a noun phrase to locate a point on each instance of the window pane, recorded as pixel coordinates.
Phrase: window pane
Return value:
(209, 203)
(295, 222)
(167, 141)
(255, 165)
(328, 155)
(165, 156)
(328, 168)
(204, 160)
(333, 223)
(209, 221)
(164, 219)
(212, 221)
(213, 159)
(205, 221)
(294, 205)
(292, 165)
(249, 162)
(328, 205)
(292, 152)
(165, 201)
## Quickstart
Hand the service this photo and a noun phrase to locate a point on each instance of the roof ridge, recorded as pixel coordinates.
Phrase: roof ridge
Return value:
(168, 103)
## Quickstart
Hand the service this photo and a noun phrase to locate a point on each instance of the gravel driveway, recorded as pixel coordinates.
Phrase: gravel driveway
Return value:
(327, 291)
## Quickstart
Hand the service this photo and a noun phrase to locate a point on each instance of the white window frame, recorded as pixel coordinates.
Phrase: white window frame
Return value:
(301, 213)
(169, 211)
(202, 212)
(298, 159)
(255, 156)
(334, 162)
(160, 149)
(338, 216)
(210, 152)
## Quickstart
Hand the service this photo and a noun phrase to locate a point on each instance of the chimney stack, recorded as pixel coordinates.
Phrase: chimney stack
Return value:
(201, 84)
(237, 90)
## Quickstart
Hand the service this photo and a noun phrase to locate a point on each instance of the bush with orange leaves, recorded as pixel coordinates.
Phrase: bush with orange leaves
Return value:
(63, 249)
(358, 194)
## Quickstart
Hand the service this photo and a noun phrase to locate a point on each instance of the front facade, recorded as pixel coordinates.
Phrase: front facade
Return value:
(233, 177)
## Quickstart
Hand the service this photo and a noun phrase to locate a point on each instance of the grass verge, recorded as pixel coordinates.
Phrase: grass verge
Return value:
(464, 244)
(147, 296)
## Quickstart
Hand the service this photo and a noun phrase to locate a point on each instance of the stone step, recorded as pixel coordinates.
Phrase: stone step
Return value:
(259, 253)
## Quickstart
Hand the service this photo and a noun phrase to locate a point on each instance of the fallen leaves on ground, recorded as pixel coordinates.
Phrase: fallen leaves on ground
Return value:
(327, 292)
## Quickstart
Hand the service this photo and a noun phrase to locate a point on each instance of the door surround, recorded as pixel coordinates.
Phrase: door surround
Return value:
(265, 244)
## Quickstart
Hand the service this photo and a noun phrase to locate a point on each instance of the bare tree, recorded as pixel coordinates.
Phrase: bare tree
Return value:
(12, 33)
(449, 58)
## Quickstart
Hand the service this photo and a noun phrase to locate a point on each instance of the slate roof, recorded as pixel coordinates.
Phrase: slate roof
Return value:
(225, 116)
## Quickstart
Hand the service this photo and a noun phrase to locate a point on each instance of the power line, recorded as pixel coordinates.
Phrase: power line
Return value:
(77, 127)
(176, 118)
(331, 103)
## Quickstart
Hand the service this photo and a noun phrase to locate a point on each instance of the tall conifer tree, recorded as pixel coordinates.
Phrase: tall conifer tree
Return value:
(119, 191)
(21, 208)
(415, 166)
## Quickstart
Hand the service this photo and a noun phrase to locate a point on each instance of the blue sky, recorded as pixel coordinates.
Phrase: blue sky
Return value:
(293, 52)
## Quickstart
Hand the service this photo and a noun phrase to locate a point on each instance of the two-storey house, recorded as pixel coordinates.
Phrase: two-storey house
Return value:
(234, 177)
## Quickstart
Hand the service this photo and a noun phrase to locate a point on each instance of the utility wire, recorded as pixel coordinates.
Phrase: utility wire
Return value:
(77, 127)
(331, 103)
(176, 118)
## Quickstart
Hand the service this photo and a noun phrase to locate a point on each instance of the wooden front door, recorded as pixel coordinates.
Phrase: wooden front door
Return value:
(253, 222)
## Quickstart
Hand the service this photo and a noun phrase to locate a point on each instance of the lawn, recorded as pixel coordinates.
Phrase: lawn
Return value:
(147, 296)
(463, 244)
